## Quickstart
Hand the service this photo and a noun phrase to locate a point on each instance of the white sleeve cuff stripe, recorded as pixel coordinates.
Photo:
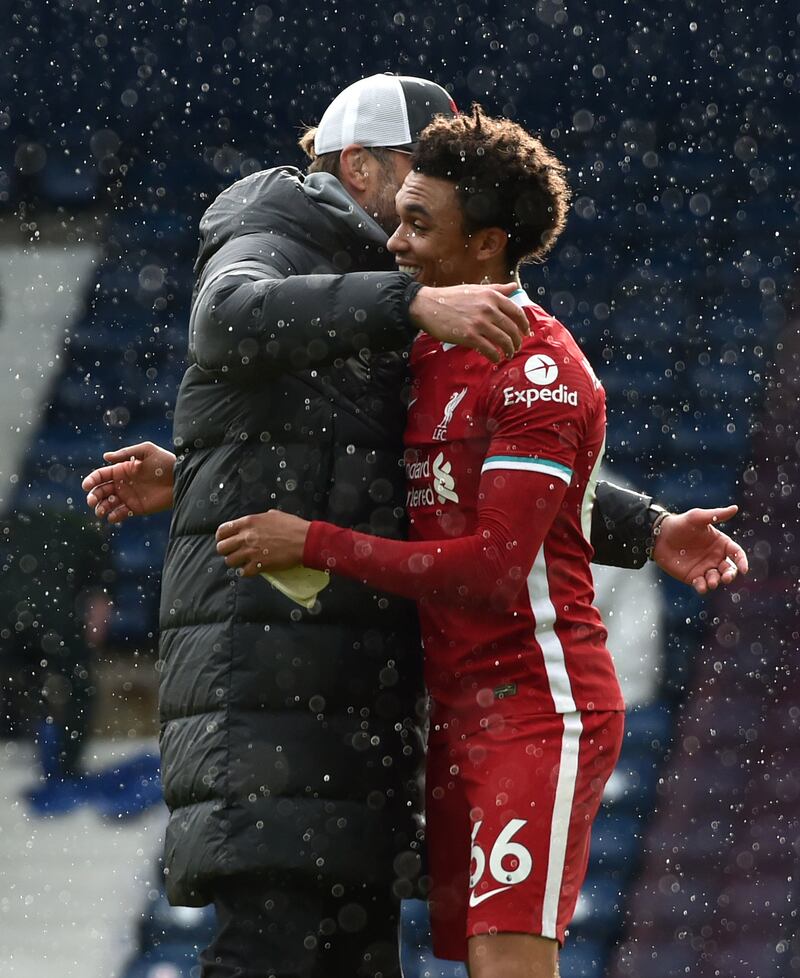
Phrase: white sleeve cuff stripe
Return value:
(543, 465)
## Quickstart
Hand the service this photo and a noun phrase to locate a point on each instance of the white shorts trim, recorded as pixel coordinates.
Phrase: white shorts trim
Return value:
(562, 819)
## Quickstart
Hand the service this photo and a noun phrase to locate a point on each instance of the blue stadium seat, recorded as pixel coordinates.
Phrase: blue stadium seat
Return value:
(165, 961)
(637, 380)
(67, 445)
(665, 953)
(616, 841)
(135, 612)
(67, 182)
(698, 486)
(583, 958)
(109, 329)
(415, 945)
(708, 837)
(139, 546)
(632, 433)
(185, 184)
(171, 341)
(37, 490)
(760, 214)
(695, 438)
(730, 386)
(681, 643)
(682, 603)
(113, 392)
(160, 232)
(598, 913)
(78, 397)
(119, 277)
(631, 787)
(648, 728)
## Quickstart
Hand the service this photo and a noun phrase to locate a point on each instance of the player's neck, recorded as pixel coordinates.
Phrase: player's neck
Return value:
(497, 271)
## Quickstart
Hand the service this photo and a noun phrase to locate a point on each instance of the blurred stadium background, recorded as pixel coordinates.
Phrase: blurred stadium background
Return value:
(678, 272)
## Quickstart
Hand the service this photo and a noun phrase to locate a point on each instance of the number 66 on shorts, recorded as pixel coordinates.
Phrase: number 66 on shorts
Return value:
(509, 811)
(509, 862)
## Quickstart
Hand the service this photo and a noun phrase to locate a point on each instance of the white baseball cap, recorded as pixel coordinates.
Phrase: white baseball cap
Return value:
(382, 110)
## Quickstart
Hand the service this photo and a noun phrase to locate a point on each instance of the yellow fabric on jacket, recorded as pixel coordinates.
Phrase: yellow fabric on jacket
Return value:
(301, 584)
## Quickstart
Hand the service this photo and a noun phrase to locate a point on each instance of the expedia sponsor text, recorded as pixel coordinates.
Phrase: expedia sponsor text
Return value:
(560, 395)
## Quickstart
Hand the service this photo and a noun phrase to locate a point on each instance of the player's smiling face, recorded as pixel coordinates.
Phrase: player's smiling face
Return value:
(431, 244)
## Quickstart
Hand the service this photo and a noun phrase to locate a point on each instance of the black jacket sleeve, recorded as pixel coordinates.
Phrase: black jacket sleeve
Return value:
(622, 524)
(251, 316)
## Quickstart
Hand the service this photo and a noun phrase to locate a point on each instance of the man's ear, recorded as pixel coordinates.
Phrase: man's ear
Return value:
(490, 243)
(354, 167)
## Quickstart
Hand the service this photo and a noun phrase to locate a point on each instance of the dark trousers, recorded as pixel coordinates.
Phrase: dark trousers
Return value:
(286, 928)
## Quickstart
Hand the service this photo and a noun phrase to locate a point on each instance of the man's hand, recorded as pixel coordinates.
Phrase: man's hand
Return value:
(136, 482)
(481, 317)
(263, 542)
(691, 549)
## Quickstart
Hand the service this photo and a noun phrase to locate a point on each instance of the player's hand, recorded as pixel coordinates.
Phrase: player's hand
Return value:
(263, 542)
(690, 548)
(136, 482)
(480, 317)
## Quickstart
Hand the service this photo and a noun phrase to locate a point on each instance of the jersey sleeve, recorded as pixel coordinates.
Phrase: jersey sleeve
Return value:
(488, 567)
(537, 408)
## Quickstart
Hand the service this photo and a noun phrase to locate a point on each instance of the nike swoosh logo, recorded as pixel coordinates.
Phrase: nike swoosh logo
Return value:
(475, 900)
(414, 401)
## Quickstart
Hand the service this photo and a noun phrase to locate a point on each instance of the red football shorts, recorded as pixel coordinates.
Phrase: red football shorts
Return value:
(509, 812)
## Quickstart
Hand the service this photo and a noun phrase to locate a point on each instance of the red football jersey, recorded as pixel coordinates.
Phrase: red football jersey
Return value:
(501, 464)
(541, 412)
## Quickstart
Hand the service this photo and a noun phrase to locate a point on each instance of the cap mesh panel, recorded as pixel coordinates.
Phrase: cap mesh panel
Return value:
(372, 112)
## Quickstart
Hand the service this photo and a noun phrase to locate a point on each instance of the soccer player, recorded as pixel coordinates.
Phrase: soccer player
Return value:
(501, 463)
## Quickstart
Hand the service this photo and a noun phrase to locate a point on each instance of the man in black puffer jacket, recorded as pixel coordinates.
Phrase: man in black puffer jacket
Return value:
(289, 746)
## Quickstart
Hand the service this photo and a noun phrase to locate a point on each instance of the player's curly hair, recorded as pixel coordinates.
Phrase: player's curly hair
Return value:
(504, 178)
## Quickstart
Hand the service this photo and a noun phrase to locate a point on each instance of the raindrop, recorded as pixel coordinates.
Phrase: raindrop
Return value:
(699, 204)
(30, 158)
(745, 148)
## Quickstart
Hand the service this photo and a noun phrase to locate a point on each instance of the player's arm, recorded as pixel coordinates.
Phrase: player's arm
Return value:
(691, 548)
(622, 523)
(628, 528)
(528, 466)
(252, 314)
(488, 567)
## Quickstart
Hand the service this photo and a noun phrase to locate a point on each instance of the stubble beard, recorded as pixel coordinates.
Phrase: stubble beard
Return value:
(382, 207)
